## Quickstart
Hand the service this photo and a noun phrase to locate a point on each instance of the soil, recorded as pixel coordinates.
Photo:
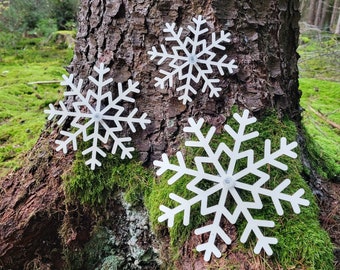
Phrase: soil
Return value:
(330, 216)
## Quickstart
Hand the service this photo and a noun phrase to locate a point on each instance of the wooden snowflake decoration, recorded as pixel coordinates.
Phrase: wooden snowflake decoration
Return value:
(192, 60)
(228, 182)
(99, 122)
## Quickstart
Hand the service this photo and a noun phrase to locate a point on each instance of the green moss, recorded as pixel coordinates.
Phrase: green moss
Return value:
(304, 40)
(323, 140)
(319, 54)
(302, 242)
(94, 187)
(21, 105)
(322, 96)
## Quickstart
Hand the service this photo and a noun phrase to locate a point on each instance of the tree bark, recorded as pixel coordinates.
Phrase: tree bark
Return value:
(318, 13)
(337, 28)
(265, 53)
(324, 22)
(119, 34)
(335, 15)
(312, 12)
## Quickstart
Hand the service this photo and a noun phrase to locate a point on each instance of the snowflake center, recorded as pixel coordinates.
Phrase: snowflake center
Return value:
(97, 116)
(228, 181)
(192, 59)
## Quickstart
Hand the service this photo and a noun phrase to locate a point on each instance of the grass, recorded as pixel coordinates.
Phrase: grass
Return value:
(21, 104)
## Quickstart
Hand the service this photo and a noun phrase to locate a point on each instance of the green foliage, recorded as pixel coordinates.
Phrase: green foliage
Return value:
(65, 13)
(30, 14)
(21, 104)
(317, 254)
(8, 40)
(38, 17)
(45, 27)
(323, 141)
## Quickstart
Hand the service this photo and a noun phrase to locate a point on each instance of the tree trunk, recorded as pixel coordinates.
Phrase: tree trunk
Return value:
(304, 9)
(267, 78)
(312, 12)
(324, 22)
(119, 34)
(335, 15)
(318, 13)
(337, 28)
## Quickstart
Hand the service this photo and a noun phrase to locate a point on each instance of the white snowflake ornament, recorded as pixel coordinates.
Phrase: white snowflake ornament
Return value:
(100, 121)
(229, 183)
(192, 60)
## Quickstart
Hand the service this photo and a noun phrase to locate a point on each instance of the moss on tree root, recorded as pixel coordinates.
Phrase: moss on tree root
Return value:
(302, 243)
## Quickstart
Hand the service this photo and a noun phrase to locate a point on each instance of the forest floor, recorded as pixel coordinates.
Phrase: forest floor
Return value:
(30, 75)
(330, 216)
(320, 84)
(23, 99)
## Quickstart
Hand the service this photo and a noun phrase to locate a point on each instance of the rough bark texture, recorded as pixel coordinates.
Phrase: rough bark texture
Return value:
(32, 208)
(335, 15)
(264, 40)
(119, 33)
(312, 11)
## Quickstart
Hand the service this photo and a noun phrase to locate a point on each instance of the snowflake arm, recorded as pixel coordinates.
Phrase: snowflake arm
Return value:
(214, 229)
(277, 194)
(75, 89)
(100, 121)
(180, 169)
(63, 113)
(192, 60)
(130, 119)
(226, 182)
(184, 205)
(71, 138)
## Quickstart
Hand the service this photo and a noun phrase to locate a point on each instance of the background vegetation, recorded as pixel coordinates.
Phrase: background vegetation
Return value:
(35, 46)
(319, 68)
(322, 14)
(37, 17)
